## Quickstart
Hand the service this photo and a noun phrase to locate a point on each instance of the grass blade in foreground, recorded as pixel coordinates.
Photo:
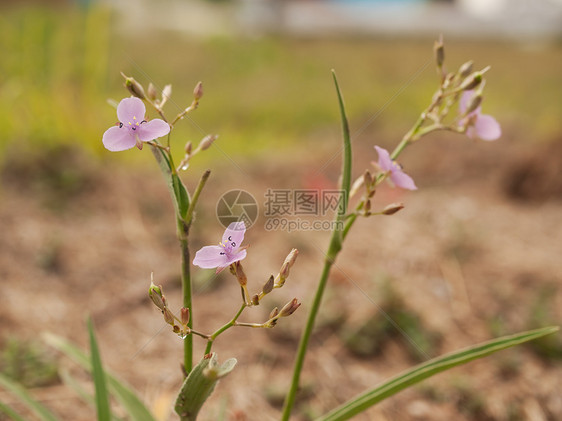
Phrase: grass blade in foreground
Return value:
(428, 369)
(10, 412)
(102, 399)
(130, 401)
(333, 249)
(22, 394)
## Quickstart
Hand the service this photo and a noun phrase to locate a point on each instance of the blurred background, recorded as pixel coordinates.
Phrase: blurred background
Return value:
(474, 255)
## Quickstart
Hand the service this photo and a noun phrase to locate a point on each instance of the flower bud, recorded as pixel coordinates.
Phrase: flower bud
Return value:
(367, 207)
(151, 91)
(286, 267)
(207, 141)
(155, 294)
(465, 69)
(198, 91)
(166, 92)
(289, 308)
(471, 81)
(439, 51)
(356, 185)
(169, 317)
(184, 315)
(256, 300)
(474, 103)
(188, 147)
(134, 87)
(274, 313)
(268, 286)
(392, 208)
(368, 179)
(240, 275)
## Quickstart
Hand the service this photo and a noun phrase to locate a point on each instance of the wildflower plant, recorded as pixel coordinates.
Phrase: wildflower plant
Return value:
(455, 107)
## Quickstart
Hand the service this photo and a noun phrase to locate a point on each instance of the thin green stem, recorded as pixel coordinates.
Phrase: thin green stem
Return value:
(183, 231)
(212, 337)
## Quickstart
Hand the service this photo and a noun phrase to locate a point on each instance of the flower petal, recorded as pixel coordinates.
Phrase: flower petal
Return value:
(487, 128)
(118, 139)
(234, 257)
(234, 234)
(403, 180)
(210, 257)
(384, 159)
(153, 129)
(129, 108)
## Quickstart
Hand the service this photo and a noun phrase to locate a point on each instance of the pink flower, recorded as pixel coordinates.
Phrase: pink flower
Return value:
(398, 177)
(133, 129)
(481, 125)
(227, 252)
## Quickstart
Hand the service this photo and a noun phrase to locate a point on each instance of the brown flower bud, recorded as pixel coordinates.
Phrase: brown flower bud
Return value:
(274, 313)
(169, 317)
(151, 91)
(184, 315)
(268, 286)
(207, 141)
(240, 275)
(465, 69)
(474, 103)
(155, 294)
(134, 87)
(289, 308)
(368, 179)
(286, 267)
(198, 91)
(188, 148)
(439, 51)
(256, 300)
(392, 208)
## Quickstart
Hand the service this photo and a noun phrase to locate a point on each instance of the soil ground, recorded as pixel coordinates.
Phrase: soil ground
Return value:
(475, 254)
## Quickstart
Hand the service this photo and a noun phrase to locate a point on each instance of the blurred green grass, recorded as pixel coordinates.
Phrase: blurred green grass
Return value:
(59, 66)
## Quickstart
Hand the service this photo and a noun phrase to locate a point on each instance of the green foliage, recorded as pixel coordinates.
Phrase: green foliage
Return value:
(23, 395)
(118, 389)
(28, 363)
(102, 398)
(430, 368)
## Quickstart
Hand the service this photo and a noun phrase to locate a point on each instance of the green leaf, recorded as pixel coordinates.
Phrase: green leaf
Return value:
(346, 164)
(42, 412)
(428, 369)
(102, 398)
(72, 383)
(10, 412)
(199, 385)
(123, 393)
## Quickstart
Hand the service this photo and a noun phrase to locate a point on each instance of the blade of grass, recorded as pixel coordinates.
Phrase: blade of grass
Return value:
(17, 390)
(10, 412)
(72, 383)
(428, 369)
(123, 393)
(102, 398)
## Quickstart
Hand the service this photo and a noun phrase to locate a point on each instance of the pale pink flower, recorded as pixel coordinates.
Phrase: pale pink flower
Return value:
(227, 252)
(483, 126)
(398, 177)
(133, 129)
